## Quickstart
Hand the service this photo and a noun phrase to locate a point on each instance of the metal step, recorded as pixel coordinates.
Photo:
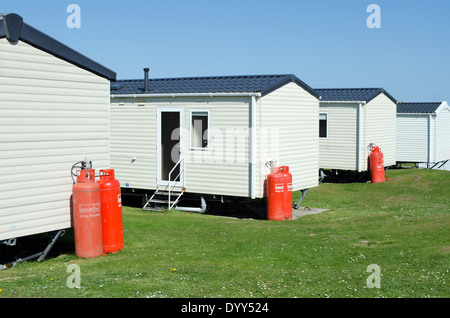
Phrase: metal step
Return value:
(167, 192)
(162, 197)
(150, 208)
(158, 201)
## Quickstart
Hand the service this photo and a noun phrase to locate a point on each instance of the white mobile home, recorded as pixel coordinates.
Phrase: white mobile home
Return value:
(216, 133)
(423, 133)
(350, 121)
(54, 105)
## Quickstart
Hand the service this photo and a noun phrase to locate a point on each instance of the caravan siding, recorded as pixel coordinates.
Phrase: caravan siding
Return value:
(424, 137)
(338, 150)
(221, 169)
(291, 115)
(412, 138)
(442, 135)
(380, 119)
(52, 114)
(133, 143)
(224, 167)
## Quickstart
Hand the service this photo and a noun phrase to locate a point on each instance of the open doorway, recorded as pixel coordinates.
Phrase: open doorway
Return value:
(169, 145)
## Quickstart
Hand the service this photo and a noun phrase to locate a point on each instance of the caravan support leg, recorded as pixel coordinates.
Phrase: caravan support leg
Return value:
(442, 163)
(297, 206)
(41, 255)
(50, 245)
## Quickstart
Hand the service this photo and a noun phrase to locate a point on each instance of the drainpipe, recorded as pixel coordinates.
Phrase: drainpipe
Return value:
(429, 142)
(253, 146)
(174, 95)
(358, 145)
(201, 209)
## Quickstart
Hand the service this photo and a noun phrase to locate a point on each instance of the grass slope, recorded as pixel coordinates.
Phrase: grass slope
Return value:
(401, 225)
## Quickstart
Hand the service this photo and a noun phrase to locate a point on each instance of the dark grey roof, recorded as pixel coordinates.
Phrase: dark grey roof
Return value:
(14, 29)
(263, 84)
(351, 94)
(417, 108)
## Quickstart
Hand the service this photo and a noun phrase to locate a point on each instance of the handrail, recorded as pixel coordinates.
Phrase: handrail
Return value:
(170, 173)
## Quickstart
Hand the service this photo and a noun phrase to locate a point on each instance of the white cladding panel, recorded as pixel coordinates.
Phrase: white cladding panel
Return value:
(412, 138)
(338, 149)
(52, 114)
(289, 134)
(425, 135)
(442, 134)
(380, 128)
(378, 125)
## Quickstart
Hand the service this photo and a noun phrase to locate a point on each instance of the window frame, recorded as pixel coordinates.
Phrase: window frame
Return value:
(208, 118)
(326, 124)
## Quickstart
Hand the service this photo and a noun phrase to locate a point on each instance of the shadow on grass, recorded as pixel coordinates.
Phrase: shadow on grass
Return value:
(345, 176)
(349, 176)
(242, 209)
(30, 245)
(231, 207)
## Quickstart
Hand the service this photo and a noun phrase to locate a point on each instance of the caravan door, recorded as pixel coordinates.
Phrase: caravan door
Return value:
(169, 146)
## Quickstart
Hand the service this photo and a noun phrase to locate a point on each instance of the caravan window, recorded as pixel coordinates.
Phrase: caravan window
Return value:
(199, 129)
(323, 125)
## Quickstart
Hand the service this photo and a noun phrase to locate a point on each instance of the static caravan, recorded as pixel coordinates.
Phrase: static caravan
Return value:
(423, 133)
(213, 135)
(54, 106)
(350, 121)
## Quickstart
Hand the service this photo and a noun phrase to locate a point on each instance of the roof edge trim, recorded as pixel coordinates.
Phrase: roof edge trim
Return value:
(289, 79)
(14, 29)
(442, 105)
(383, 91)
(256, 94)
(377, 92)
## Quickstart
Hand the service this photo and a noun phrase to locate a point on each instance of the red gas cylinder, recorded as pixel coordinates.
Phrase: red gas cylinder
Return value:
(275, 195)
(376, 165)
(287, 192)
(87, 215)
(111, 203)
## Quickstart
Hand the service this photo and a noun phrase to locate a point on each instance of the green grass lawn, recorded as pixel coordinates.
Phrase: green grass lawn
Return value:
(403, 226)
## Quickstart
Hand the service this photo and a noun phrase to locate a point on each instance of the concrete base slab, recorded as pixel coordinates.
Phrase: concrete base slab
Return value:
(302, 211)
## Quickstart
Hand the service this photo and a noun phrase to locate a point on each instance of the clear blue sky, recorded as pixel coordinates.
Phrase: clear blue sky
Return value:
(326, 43)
